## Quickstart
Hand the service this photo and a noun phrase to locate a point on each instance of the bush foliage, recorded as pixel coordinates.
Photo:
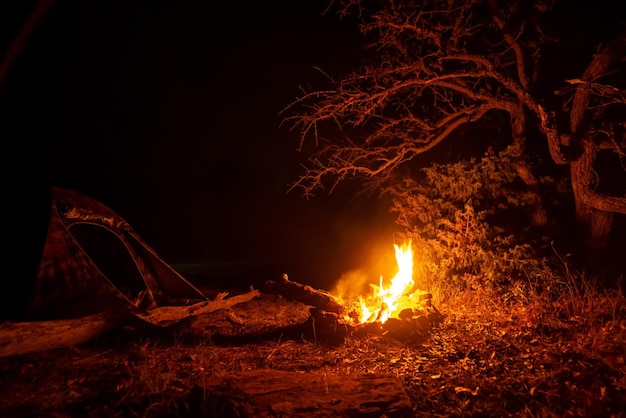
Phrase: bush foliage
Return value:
(470, 228)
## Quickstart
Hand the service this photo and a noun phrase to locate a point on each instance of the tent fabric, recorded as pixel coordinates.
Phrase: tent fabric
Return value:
(93, 261)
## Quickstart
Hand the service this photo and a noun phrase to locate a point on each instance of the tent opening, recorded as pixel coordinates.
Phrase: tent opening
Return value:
(111, 257)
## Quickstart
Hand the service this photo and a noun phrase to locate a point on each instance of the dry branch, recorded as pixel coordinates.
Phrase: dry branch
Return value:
(169, 315)
(305, 294)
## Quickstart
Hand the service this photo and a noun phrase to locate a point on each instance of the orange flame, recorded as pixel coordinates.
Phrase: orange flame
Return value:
(387, 302)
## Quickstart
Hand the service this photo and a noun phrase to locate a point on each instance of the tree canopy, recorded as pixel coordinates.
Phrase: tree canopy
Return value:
(545, 79)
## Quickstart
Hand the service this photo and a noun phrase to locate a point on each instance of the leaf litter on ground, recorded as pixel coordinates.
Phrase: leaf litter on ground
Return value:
(486, 358)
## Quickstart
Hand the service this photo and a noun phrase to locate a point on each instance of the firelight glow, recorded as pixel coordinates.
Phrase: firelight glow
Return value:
(386, 302)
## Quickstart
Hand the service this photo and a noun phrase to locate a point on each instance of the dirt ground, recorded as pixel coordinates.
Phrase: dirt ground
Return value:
(486, 358)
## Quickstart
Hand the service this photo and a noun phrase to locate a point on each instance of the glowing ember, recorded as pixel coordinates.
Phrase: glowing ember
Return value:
(387, 302)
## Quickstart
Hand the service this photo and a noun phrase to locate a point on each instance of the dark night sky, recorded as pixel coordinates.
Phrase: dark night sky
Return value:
(167, 112)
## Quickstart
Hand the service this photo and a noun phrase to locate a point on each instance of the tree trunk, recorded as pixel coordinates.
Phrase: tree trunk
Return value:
(593, 212)
(594, 224)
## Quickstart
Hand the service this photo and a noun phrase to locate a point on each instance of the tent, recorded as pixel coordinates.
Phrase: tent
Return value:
(93, 261)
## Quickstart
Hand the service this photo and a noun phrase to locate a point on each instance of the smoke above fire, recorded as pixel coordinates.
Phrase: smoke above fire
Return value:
(379, 259)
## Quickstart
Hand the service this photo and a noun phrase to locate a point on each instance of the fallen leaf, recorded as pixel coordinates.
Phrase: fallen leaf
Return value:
(460, 389)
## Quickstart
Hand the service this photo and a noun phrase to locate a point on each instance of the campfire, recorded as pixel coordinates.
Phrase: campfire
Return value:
(395, 305)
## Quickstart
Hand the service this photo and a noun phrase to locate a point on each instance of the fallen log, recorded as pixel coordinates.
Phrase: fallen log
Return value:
(305, 294)
(259, 317)
(26, 337)
(268, 317)
(277, 393)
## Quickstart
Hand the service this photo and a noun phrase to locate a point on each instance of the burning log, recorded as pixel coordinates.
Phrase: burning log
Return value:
(332, 319)
(271, 393)
(413, 325)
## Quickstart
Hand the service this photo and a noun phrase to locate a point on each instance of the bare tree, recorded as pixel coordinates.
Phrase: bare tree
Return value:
(437, 66)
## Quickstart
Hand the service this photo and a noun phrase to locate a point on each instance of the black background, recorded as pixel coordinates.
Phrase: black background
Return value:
(168, 113)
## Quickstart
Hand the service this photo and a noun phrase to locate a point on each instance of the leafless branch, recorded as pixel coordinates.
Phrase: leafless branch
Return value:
(441, 64)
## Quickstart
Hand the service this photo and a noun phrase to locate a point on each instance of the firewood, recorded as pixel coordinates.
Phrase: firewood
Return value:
(305, 294)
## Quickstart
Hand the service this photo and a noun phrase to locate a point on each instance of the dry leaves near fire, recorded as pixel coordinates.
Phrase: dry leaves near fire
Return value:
(487, 357)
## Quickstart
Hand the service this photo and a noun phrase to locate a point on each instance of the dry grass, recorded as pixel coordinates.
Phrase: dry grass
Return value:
(536, 356)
